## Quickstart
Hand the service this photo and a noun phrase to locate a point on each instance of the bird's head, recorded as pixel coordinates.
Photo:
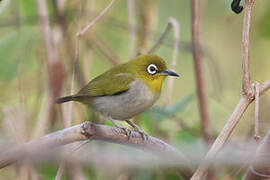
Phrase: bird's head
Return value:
(152, 70)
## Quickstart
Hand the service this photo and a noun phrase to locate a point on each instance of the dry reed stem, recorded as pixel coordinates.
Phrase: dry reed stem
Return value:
(198, 65)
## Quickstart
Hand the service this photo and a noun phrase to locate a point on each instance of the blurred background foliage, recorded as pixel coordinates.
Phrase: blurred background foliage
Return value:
(24, 75)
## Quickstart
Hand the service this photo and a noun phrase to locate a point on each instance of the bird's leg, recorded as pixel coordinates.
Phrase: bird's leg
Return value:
(136, 128)
(127, 131)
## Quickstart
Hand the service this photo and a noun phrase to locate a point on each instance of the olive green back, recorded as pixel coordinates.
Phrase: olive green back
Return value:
(113, 81)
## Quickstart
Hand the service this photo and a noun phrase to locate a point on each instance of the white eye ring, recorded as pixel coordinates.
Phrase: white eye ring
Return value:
(152, 69)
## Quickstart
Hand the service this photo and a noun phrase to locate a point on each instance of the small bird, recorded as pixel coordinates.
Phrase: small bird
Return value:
(126, 90)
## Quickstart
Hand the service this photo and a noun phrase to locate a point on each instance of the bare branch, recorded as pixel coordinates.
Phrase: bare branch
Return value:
(101, 14)
(227, 130)
(97, 132)
(174, 23)
(222, 137)
(264, 87)
(197, 57)
(245, 48)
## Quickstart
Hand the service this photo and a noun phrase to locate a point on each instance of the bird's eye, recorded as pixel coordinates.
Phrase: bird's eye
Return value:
(152, 69)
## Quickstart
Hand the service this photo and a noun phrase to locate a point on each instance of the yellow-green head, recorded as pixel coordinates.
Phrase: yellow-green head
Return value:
(151, 69)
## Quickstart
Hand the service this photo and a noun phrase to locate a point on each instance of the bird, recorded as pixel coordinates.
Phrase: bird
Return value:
(126, 90)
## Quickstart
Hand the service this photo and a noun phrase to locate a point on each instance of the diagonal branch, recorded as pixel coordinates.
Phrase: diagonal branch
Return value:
(161, 38)
(101, 14)
(97, 132)
(226, 131)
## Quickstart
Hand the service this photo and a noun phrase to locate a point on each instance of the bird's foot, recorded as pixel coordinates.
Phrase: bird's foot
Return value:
(127, 131)
(142, 133)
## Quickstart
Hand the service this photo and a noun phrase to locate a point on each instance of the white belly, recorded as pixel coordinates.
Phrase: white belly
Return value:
(127, 105)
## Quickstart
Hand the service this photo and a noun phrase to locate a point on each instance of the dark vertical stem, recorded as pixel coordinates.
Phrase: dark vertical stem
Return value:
(197, 56)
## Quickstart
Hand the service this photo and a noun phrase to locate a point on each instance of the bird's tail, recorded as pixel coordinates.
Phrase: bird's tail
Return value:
(64, 99)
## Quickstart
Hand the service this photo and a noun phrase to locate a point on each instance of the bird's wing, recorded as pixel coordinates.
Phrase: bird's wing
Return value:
(107, 85)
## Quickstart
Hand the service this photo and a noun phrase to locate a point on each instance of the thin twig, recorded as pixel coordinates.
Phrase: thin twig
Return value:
(264, 87)
(161, 39)
(197, 57)
(102, 46)
(101, 14)
(256, 112)
(88, 130)
(174, 23)
(132, 27)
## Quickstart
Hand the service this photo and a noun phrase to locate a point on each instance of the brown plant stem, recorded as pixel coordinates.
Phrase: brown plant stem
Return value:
(55, 68)
(245, 48)
(197, 57)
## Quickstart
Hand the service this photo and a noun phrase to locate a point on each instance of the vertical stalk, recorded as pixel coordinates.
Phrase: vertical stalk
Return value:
(197, 57)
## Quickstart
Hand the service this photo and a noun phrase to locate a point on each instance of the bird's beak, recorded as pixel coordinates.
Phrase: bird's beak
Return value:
(168, 72)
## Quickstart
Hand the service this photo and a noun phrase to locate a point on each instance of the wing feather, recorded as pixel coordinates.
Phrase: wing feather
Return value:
(107, 84)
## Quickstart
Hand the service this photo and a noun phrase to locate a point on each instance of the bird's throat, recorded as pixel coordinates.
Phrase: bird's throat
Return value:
(155, 85)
